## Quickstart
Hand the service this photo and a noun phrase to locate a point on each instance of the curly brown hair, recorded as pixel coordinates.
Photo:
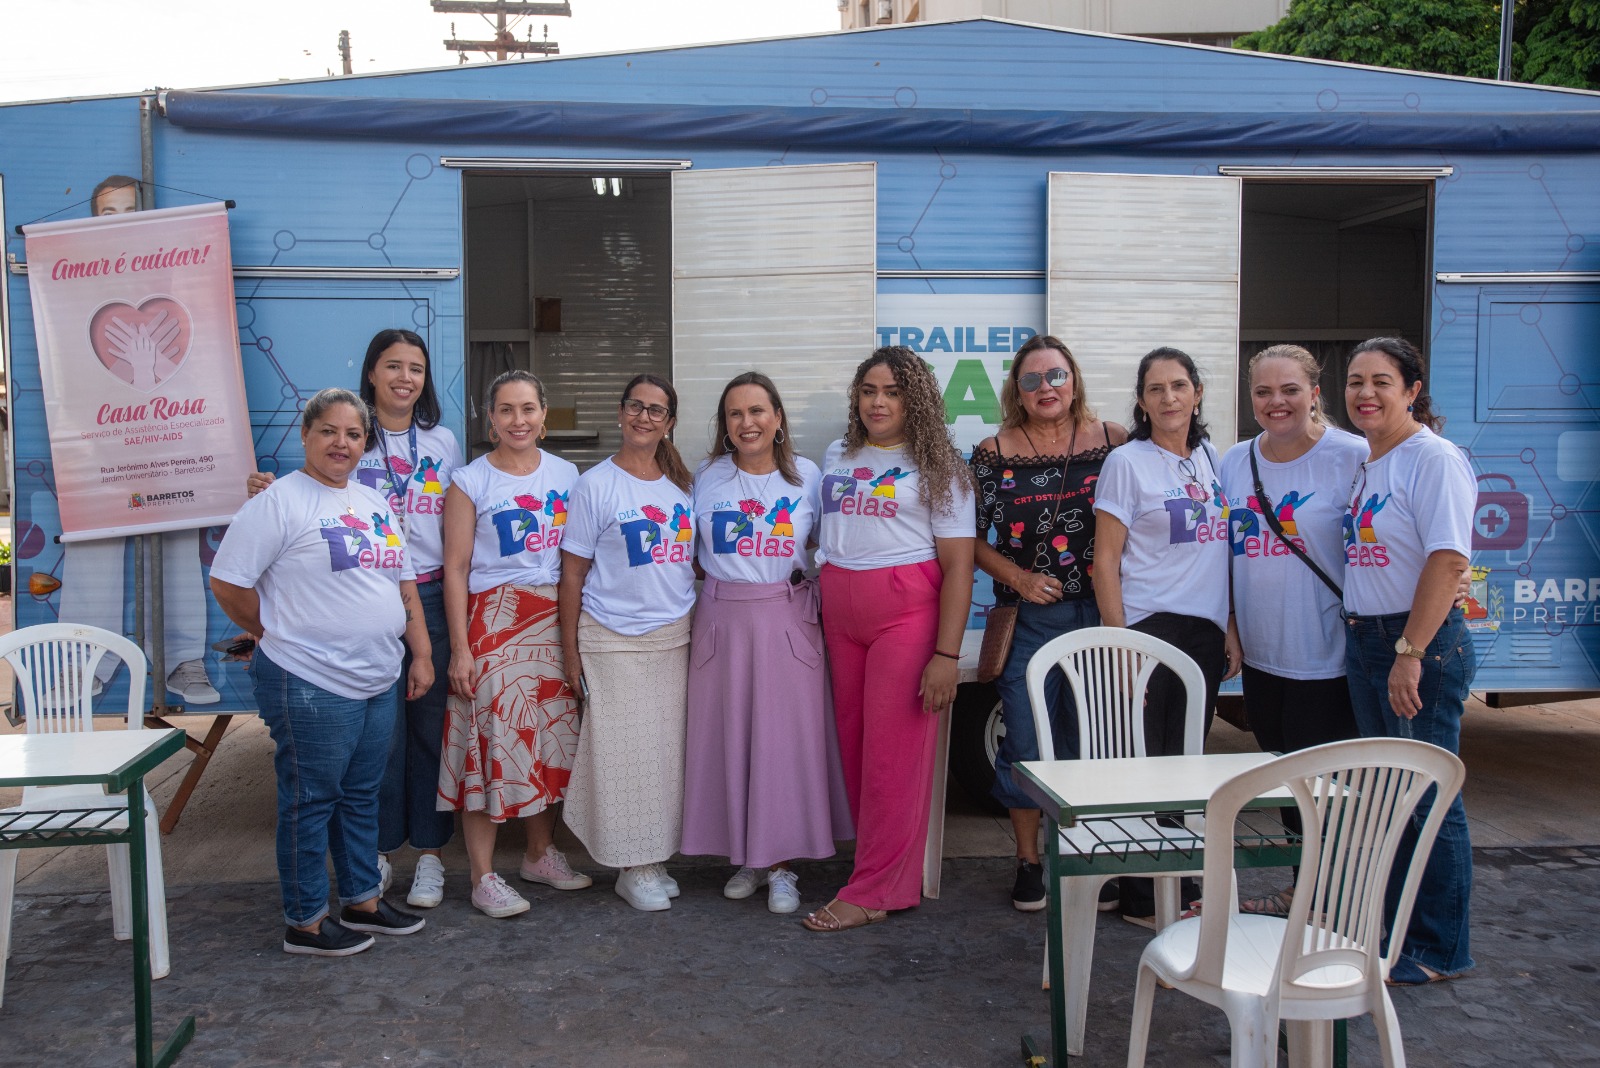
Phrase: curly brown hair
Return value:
(927, 440)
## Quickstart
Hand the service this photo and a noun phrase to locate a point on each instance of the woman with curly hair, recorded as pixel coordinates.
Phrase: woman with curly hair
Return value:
(897, 536)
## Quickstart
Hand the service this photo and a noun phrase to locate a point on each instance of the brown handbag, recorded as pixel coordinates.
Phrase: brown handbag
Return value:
(997, 633)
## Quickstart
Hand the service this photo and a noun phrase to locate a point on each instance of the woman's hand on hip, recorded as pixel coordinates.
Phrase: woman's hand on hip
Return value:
(462, 684)
(939, 680)
(1038, 589)
(419, 680)
(1405, 678)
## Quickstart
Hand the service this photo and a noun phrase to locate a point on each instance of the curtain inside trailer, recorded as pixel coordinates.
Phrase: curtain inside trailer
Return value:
(1137, 261)
(773, 269)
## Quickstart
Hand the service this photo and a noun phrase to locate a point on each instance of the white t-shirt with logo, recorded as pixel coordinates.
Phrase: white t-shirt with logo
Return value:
(754, 528)
(521, 520)
(1415, 500)
(873, 514)
(418, 485)
(328, 573)
(1176, 555)
(1288, 619)
(640, 536)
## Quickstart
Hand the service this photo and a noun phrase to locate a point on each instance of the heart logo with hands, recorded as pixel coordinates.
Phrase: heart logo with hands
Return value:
(145, 345)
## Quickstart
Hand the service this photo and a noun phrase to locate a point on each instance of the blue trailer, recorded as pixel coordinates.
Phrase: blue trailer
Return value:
(789, 204)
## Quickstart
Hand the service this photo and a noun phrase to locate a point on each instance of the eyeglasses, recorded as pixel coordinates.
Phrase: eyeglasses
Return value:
(637, 407)
(1056, 376)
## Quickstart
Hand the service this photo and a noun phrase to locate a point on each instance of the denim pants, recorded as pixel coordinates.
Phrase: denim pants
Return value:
(1437, 934)
(329, 760)
(408, 799)
(1036, 624)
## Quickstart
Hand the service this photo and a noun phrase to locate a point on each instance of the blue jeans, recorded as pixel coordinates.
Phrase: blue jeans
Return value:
(1437, 934)
(329, 760)
(407, 801)
(1036, 624)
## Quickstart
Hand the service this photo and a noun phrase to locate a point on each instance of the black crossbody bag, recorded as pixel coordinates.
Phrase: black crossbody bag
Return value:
(1271, 516)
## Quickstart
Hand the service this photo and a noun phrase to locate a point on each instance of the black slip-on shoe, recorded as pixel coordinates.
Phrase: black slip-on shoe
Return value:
(1027, 894)
(328, 940)
(388, 920)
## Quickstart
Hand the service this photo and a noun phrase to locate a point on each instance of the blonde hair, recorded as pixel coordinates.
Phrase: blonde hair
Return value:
(1307, 362)
(1012, 414)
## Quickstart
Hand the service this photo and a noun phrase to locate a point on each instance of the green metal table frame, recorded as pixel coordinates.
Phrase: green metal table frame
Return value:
(92, 826)
(1114, 854)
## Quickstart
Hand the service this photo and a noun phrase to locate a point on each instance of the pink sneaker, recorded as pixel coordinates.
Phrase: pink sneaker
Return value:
(494, 897)
(552, 869)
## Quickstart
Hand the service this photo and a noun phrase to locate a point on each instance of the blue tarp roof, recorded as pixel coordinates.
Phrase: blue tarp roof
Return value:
(393, 118)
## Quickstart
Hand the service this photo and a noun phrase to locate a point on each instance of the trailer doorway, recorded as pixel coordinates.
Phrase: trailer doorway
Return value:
(1327, 265)
(568, 275)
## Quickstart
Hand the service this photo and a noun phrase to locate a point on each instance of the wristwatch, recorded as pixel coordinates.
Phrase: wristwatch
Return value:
(1405, 648)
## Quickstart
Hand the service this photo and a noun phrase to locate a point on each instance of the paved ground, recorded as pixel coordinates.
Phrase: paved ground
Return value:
(583, 980)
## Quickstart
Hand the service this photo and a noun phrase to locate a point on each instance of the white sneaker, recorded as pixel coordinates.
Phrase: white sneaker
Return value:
(668, 883)
(385, 875)
(783, 891)
(493, 896)
(641, 887)
(189, 681)
(553, 870)
(427, 884)
(745, 881)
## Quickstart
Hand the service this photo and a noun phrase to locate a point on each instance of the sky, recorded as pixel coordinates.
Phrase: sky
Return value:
(72, 48)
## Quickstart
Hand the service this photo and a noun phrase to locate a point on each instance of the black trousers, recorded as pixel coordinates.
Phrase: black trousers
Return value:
(1290, 714)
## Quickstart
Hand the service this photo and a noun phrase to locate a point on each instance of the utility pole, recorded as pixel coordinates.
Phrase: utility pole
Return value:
(1507, 17)
(344, 49)
(506, 14)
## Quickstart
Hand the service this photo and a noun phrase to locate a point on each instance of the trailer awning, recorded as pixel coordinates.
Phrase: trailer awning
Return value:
(452, 120)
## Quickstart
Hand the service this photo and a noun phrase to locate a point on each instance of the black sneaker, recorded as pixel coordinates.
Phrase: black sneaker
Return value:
(1028, 893)
(328, 940)
(387, 920)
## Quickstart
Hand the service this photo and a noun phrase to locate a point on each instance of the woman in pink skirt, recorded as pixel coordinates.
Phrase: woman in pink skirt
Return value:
(897, 537)
(762, 783)
(511, 728)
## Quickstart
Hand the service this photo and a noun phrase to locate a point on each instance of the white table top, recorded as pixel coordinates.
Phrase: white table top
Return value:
(113, 758)
(1077, 788)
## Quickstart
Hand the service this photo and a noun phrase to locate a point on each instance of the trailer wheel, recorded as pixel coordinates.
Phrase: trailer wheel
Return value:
(975, 732)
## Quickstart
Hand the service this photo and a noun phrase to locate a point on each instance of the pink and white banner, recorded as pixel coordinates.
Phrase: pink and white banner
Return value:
(143, 385)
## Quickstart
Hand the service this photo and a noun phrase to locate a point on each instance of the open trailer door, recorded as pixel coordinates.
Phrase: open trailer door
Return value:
(773, 269)
(1137, 261)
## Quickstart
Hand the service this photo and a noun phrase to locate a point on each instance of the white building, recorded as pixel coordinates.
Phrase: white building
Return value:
(1213, 22)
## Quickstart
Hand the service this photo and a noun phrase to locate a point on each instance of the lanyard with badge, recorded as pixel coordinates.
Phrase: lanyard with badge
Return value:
(396, 487)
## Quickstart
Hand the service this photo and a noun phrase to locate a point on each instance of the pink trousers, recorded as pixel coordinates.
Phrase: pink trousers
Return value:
(880, 628)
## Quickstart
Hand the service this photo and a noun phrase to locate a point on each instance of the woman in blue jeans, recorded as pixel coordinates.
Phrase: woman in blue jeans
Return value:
(1035, 491)
(315, 569)
(410, 459)
(1408, 656)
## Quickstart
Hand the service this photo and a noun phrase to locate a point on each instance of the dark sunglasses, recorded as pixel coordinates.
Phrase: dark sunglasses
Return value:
(1056, 376)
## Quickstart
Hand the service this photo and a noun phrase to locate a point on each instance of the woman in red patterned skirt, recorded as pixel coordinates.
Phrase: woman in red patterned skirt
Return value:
(511, 730)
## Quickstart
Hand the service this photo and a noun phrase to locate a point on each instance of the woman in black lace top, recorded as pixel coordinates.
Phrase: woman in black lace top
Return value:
(1036, 540)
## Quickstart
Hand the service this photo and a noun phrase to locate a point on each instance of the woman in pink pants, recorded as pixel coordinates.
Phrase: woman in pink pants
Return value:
(897, 536)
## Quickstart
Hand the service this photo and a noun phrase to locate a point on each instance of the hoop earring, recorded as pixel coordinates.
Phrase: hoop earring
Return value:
(780, 437)
(727, 443)
(542, 432)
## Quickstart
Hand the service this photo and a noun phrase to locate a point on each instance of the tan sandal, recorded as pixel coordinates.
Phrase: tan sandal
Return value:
(826, 919)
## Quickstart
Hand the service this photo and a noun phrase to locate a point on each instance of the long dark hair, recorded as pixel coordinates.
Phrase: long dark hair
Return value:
(1141, 428)
(939, 464)
(667, 457)
(1404, 355)
(782, 447)
(425, 412)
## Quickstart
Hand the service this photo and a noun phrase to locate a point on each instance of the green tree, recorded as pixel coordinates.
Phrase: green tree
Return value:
(1444, 36)
(1559, 43)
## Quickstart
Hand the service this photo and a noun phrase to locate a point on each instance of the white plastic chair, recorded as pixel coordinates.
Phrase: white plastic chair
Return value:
(54, 665)
(1322, 962)
(1108, 670)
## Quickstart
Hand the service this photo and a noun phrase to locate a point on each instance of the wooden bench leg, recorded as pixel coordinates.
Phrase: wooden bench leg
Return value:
(202, 751)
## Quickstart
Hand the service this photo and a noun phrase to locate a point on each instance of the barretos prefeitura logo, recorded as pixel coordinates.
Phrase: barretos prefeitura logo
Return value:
(158, 500)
